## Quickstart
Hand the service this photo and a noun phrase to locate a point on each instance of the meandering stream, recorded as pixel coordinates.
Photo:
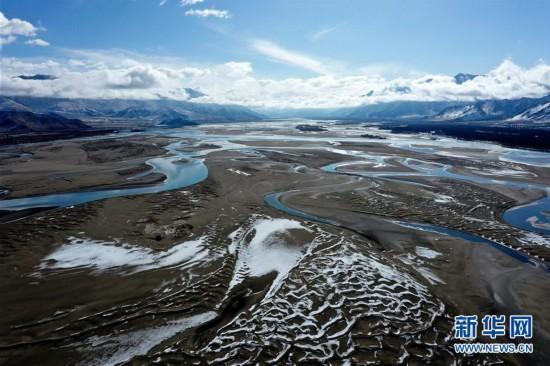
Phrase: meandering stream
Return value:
(183, 168)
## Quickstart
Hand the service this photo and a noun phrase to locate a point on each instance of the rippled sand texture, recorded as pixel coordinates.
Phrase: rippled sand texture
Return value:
(353, 307)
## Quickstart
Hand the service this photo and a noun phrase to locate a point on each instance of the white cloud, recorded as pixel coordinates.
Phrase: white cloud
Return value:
(16, 27)
(281, 54)
(139, 77)
(121, 74)
(37, 42)
(389, 70)
(10, 29)
(205, 13)
(117, 74)
(238, 69)
(162, 2)
(190, 2)
(7, 40)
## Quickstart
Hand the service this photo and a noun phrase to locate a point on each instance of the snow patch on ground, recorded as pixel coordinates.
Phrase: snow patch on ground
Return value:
(429, 275)
(534, 238)
(427, 253)
(105, 255)
(420, 266)
(112, 350)
(240, 172)
(317, 309)
(383, 194)
(443, 198)
(266, 251)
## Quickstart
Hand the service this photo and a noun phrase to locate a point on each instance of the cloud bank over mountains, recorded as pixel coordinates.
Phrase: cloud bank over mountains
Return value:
(119, 74)
(114, 73)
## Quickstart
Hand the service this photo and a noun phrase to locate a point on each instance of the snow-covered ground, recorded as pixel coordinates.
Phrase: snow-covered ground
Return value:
(237, 171)
(105, 255)
(427, 252)
(267, 251)
(112, 350)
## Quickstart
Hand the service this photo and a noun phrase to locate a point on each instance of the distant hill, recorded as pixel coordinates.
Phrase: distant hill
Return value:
(401, 110)
(15, 122)
(523, 109)
(176, 122)
(539, 113)
(7, 104)
(528, 109)
(106, 113)
(153, 111)
(37, 77)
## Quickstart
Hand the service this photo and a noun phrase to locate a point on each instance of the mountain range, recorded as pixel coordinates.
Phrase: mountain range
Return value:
(523, 109)
(18, 122)
(172, 113)
(400, 110)
(154, 112)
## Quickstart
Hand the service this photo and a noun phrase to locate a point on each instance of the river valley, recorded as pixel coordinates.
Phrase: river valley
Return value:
(258, 243)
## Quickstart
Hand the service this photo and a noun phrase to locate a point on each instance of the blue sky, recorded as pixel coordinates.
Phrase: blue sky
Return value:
(435, 36)
(294, 39)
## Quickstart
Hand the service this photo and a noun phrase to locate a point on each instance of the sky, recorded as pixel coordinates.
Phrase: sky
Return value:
(276, 54)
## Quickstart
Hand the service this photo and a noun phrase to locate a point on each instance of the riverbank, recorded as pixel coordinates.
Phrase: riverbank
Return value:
(514, 134)
(68, 166)
(28, 138)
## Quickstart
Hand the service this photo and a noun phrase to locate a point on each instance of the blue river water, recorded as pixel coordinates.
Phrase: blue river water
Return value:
(180, 170)
(534, 217)
(273, 200)
(476, 240)
(183, 169)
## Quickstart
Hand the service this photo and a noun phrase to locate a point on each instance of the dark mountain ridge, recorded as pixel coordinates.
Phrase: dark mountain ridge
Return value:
(401, 110)
(499, 109)
(14, 122)
(522, 109)
(150, 110)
